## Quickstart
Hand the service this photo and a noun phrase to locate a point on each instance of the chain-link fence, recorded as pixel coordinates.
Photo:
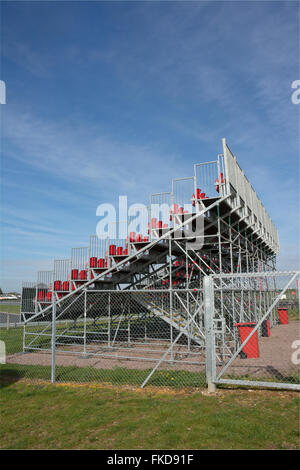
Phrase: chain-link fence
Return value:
(234, 330)
(9, 320)
(116, 337)
(256, 337)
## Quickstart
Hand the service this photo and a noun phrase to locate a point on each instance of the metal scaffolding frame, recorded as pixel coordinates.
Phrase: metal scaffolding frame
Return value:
(162, 274)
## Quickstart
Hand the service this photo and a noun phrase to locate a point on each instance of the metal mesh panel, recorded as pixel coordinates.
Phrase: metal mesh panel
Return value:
(159, 214)
(206, 177)
(44, 288)
(61, 271)
(28, 298)
(237, 179)
(98, 247)
(260, 331)
(163, 337)
(136, 337)
(160, 198)
(79, 259)
(182, 192)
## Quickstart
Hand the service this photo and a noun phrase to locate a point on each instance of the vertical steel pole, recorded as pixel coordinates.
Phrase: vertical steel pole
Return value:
(84, 322)
(24, 337)
(208, 285)
(171, 293)
(249, 282)
(220, 255)
(109, 326)
(36, 299)
(298, 289)
(219, 240)
(128, 328)
(188, 297)
(53, 338)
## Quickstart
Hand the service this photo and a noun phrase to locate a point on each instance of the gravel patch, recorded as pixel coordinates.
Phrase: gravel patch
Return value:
(275, 354)
(274, 361)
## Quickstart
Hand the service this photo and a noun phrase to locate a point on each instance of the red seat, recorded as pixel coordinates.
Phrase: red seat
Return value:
(41, 296)
(217, 182)
(57, 285)
(112, 249)
(66, 286)
(93, 262)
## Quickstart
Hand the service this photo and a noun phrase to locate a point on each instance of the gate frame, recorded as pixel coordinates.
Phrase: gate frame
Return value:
(212, 378)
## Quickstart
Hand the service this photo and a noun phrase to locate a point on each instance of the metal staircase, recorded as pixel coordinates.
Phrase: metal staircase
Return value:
(237, 236)
(176, 319)
(122, 270)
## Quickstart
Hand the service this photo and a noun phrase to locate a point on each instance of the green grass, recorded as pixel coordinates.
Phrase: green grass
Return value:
(116, 375)
(14, 343)
(97, 417)
(13, 339)
(9, 308)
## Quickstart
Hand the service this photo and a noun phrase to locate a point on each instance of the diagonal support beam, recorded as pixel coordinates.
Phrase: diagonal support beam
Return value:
(257, 326)
(133, 257)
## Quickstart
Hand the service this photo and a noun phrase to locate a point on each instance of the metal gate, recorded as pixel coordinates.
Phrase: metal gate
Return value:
(253, 339)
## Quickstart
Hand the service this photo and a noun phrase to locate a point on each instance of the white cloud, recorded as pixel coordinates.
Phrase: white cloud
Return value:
(82, 155)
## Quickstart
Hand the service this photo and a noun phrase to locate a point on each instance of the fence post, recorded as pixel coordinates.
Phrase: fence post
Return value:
(109, 325)
(298, 289)
(84, 322)
(210, 357)
(53, 338)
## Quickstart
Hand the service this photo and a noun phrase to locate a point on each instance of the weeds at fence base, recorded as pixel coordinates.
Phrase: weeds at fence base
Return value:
(115, 376)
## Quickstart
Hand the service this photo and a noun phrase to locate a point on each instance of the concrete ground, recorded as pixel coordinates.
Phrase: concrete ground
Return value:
(275, 360)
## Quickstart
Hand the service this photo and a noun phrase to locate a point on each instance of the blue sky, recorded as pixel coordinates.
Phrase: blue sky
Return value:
(116, 98)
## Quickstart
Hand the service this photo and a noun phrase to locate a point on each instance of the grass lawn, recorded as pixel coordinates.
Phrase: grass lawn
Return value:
(71, 416)
(13, 339)
(114, 376)
(9, 308)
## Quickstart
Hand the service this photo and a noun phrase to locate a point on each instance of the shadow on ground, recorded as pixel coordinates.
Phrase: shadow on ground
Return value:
(10, 377)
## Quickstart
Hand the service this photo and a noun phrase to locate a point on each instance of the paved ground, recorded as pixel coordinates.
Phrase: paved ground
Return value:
(275, 354)
(275, 359)
(107, 358)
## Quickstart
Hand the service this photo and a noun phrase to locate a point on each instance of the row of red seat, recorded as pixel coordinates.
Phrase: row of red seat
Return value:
(59, 286)
(157, 224)
(42, 296)
(100, 263)
(198, 196)
(137, 238)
